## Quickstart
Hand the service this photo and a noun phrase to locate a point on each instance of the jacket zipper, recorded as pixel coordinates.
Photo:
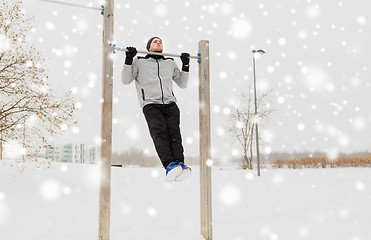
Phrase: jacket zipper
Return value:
(172, 92)
(143, 96)
(158, 73)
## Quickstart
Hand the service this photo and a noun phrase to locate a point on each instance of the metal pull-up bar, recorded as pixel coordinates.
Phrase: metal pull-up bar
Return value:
(157, 53)
(72, 4)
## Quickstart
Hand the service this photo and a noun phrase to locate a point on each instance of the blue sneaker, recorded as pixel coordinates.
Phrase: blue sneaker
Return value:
(173, 170)
(186, 172)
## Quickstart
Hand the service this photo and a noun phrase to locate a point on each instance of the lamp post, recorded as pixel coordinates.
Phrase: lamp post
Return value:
(258, 53)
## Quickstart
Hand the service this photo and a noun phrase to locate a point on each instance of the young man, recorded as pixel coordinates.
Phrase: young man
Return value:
(154, 76)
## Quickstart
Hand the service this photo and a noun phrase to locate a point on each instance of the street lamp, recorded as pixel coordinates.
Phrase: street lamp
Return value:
(256, 53)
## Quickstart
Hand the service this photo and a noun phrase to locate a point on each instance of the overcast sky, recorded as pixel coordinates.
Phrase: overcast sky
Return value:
(317, 63)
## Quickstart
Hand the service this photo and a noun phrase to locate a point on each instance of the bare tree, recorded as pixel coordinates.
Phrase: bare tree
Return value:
(243, 121)
(27, 99)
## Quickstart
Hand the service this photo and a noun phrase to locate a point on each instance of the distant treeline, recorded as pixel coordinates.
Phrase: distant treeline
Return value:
(317, 160)
(317, 154)
(137, 157)
(322, 162)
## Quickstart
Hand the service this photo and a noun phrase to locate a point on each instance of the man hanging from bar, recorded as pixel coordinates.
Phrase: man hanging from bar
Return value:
(154, 76)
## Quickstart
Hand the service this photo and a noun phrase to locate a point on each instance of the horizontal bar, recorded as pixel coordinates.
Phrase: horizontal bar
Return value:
(156, 53)
(72, 4)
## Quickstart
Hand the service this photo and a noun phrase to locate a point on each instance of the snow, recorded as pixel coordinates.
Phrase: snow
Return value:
(240, 29)
(60, 201)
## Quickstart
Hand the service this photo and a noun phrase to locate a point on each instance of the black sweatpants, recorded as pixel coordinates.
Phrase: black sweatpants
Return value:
(163, 122)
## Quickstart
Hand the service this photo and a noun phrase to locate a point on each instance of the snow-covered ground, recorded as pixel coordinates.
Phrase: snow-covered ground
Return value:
(58, 201)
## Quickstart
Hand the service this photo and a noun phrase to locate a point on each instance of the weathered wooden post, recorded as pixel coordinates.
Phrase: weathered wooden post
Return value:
(205, 140)
(106, 144)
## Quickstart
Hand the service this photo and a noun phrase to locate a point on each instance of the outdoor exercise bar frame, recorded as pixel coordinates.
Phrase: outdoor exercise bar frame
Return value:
(205, 143)
(106, 131)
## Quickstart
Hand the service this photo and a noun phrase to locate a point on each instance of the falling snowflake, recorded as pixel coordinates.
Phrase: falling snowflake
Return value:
(223, 75)
(189, 140)
(216, 109)
(301, 126)
(232, 55)
(133, 132)
(361, 20)
(29, 63)
(160, 10)
(344, 140)
(209, 162)
(69, 50)
(359, 124)
(154, 173)
(267, 150)
(227, 111)
(360, 186)
(230, 195)
(249, 176)
(343, 212)
(152, 212)
(332, 154)
(277, 179)
(64, 127)
(50, 26)
(303, 232)
(220, 131)
(235, 152)
(126, 209)
(270, 69)
(282, 41)
(226, 8)
(316, 79)
(313, 11)
(280, 100)
(81, 25)
(240, 29)
(13, 150)
(75, 130)
(50, 190)
(302, 34)
(64, 168)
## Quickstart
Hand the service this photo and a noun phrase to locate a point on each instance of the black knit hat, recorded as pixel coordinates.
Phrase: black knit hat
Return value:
(150, 41)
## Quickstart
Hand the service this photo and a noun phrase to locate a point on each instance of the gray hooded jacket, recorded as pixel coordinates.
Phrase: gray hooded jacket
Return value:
(154, 79)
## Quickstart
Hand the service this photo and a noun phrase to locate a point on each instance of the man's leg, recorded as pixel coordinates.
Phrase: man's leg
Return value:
(175, 138)
(158, 129)
(173, 121)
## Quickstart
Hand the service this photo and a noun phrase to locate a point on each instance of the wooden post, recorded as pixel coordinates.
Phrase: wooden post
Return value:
(205, 144)
(106, 144)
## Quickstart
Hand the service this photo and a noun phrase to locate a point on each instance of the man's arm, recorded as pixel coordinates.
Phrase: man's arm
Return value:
(181, 77)
(130, 69)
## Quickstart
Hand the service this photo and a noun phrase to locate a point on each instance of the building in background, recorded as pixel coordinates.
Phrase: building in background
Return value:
(73, 153)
